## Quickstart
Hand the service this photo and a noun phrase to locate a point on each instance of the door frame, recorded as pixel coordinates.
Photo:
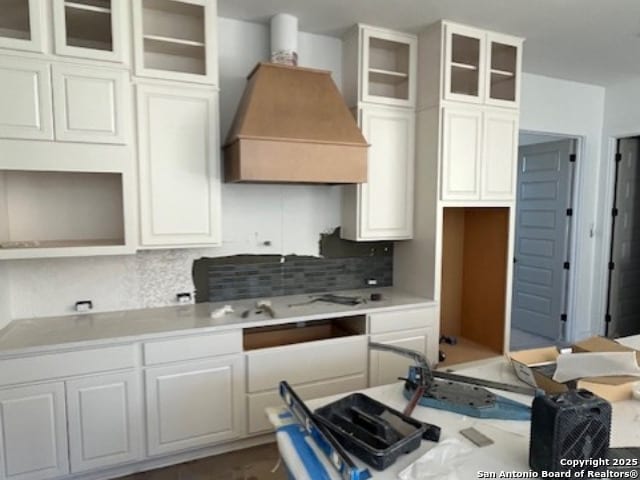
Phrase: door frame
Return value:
(571, 328)
(607, 187)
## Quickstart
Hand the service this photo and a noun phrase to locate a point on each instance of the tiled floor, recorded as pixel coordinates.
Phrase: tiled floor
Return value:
(521, 340)
(251, 464)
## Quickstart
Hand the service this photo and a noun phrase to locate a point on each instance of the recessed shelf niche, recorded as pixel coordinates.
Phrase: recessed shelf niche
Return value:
(60, 209)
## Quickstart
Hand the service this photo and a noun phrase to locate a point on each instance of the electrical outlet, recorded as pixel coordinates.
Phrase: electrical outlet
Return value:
(372, 282)
(83, 306)
(184, 298)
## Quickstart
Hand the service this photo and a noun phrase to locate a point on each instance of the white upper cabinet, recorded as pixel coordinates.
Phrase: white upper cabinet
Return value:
(504, 61)
(91, 29)
(500, 151)
(179, 165)
(464, 53)
(479, 150)
(384, 205)
(461, 153)
(481, 67)
(22, 25)
(91, 104)
(176, 40)
(33, 433)
(25, 99)
(388, 67)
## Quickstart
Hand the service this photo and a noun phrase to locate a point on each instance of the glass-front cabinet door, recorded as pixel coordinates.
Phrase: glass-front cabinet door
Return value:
(504, 59)
(89, 29)
(21, 25)
(464, 64)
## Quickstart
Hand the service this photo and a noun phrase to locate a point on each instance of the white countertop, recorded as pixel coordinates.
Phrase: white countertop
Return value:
(511, 448)
(52, 333)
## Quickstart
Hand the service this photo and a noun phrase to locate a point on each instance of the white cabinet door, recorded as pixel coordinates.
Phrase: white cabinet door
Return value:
(25, 99)
(179, 160)
(464, 63)
(22, 25)
(387, 367)
(33, 439)
(499, 159)
(91, 105)
(194, 404)
(104, 420)
(385, 203)
(176, 40)
(89, 29)
(461, 153)
(504, 64)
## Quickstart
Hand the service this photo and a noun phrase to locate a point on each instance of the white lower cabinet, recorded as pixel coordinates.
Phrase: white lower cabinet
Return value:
(194, 404)
(104, 420)
(179, 160)
(387, 367)
(33, 432)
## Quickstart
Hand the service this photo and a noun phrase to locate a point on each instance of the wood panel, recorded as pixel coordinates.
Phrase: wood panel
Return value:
(452, 268)
(485, 275)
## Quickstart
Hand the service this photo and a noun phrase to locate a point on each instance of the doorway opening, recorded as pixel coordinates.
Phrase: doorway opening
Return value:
(543, 240)
(623, 302)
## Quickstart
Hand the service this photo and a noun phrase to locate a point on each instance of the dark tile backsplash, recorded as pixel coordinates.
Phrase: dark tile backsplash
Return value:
(241, 277)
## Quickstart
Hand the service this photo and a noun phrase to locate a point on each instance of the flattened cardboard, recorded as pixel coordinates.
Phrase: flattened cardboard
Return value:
(612, 389)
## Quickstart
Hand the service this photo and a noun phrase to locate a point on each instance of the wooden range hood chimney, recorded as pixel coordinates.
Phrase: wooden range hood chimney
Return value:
(292, 125)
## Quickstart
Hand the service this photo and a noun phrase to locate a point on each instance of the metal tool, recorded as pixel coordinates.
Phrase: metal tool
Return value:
(457, 393)
(331, 298)
(334, 452)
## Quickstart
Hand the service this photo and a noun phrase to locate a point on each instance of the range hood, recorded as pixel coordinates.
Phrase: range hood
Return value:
(292, 125)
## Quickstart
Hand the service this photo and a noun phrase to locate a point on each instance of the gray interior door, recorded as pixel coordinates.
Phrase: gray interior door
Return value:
(541, 244)
(624, 293)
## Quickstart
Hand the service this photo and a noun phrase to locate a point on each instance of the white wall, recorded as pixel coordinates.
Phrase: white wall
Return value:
(290, 217)
(574, 109)
(621, 119)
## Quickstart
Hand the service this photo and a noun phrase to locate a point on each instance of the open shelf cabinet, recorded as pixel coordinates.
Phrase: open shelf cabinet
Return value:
(175, 39)
(474, 281)
(44, 211)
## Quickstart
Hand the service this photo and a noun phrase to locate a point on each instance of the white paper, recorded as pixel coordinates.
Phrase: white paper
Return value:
(441, 462)
(572, 366)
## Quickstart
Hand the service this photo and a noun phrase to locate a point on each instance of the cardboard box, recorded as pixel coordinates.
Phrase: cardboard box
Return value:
(612, 389)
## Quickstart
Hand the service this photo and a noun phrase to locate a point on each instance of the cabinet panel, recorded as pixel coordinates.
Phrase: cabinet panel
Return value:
(500, 150)
(194, 405)
(179, 166)
(25, 99)
(33, 440)
(89, 29)
(22, 24)
(387, 367)
(104, 420)
(464, 64)
(461, 153)
(92, 105)
(386, 200)
(258, 422)
(384, 322)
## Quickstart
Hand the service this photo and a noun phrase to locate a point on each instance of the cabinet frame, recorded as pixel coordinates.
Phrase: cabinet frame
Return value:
(517, 44)
(36, 31)
(455, 29)
(118, 21)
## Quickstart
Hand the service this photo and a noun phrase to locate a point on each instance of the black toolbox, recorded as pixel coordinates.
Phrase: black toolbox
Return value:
(370, 430)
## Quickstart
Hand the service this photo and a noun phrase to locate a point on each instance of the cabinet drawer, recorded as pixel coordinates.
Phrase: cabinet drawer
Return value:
(68, 364)
(258, 402)
(402, 320)
(306, 362)
(191, 348)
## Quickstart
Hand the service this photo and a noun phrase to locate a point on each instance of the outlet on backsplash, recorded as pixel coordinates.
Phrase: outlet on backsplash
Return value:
(83, 306)
(184, 298)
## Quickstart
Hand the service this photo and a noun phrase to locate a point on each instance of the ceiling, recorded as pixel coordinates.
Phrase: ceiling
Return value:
(591, 41)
